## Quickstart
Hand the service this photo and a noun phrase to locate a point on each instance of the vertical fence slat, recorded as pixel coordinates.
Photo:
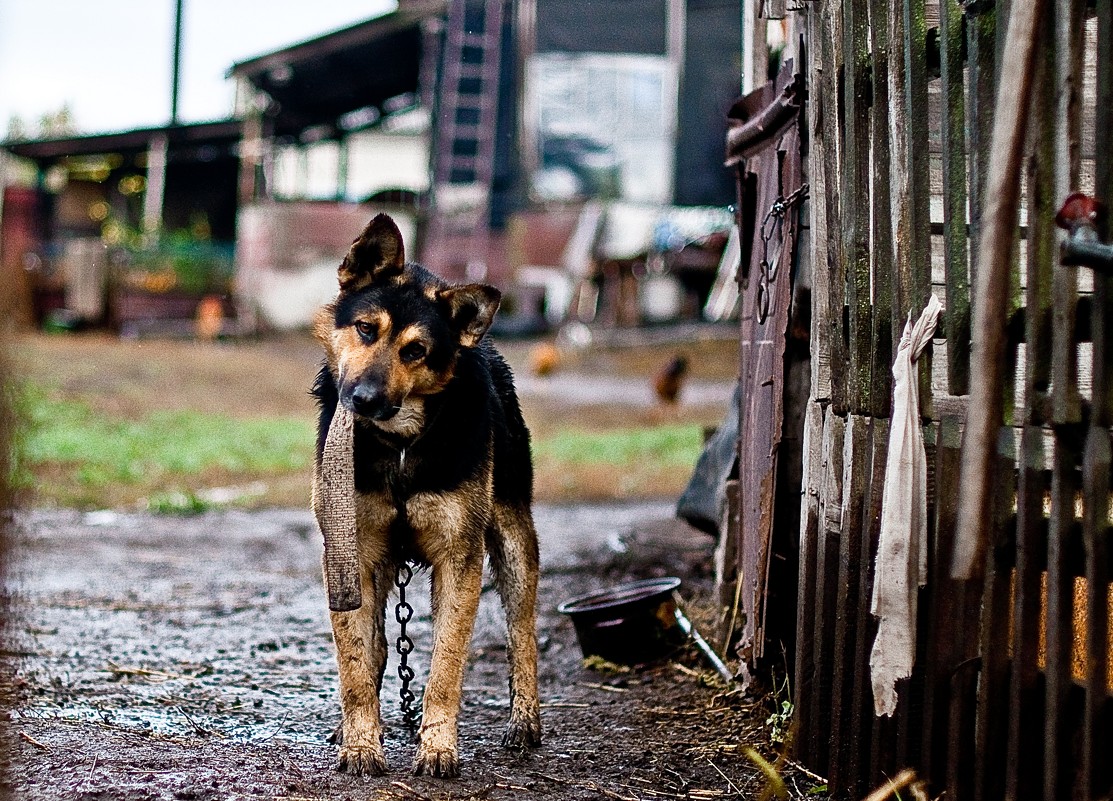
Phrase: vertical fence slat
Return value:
(953, 142)
(826, 589)
(812, 469)
(941, 605)
(1095, 537)
(854, 186)
(1066, 401)
(861, 715)
(1061, 542)
(991, 728)
(831, 26)
(854, 483)
(981, 46)
(1096, 468)
(1025, 721)
(817, 210)
(918, 165)
(885, 332)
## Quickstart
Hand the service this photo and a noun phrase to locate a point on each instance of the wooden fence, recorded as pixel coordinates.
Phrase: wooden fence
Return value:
(1011, 691)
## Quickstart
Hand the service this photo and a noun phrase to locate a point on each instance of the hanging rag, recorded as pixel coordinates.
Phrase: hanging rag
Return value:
(334, 504)
(901, 567)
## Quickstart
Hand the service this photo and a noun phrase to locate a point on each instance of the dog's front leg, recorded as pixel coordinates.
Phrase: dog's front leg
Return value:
(361, 658)
(456, 587)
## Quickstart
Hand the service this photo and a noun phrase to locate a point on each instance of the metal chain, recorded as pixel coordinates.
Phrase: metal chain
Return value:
(403, 612)
(774, 223)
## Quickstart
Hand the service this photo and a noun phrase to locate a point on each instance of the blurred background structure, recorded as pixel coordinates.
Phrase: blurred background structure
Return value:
(569, 152)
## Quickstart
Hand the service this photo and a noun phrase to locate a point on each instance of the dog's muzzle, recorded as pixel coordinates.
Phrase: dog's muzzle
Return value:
(369, 400)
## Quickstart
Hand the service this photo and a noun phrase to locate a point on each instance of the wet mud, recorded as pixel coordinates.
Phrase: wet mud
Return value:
(155, 657)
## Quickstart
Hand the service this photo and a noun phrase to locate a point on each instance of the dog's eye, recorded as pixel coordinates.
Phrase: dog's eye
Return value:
(412, 352)
(366, 330)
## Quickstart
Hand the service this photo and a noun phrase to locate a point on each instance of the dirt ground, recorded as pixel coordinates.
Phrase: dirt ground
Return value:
(191, 658)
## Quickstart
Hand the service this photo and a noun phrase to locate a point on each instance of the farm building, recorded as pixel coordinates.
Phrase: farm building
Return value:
(536, 134)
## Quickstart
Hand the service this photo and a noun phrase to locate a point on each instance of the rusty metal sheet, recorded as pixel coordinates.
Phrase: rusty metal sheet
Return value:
(773, 165)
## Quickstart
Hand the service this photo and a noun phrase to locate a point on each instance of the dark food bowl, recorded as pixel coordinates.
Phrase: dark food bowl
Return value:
(629, 624)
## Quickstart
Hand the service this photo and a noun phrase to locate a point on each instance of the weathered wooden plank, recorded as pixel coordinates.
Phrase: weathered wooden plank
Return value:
(885, 329)
(817, 211)
(854, 484)
(1093, 781)
(995, 246)
(991, 728)
(1061, 542)
(1025, 718)
(853, 192)
(941, 606)
(861, 711)
(826, 588)
(981, 46)
(1098, 736)
(953, 144)
(803, 686)
(831, 66)
(901, 183)
(918, 166)
(1067, 43)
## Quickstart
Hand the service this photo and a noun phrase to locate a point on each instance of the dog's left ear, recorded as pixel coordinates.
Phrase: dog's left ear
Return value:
(471, 308)
(376, 254)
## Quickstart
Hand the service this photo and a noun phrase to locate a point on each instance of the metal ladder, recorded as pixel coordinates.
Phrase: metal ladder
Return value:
(468, 111)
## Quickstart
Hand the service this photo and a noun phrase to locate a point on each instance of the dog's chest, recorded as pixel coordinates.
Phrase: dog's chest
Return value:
(423, 527)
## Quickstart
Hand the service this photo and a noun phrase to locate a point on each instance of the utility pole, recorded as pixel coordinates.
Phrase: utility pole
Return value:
(158, 149)
(177, 62)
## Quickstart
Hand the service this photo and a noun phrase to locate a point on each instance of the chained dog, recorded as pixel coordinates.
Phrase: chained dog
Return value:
(437, 467)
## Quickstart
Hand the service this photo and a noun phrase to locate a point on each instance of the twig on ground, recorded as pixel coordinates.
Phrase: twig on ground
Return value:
(120, 670)
(794, 764)
(608, 688)
(730, 784)
(42, 746)
(592, 786)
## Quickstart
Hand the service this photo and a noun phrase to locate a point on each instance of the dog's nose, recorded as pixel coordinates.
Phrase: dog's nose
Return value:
(367, 400)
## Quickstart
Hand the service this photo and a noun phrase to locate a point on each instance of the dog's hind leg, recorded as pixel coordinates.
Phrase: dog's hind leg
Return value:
(361, 658)
(514, 558)
(457, 581)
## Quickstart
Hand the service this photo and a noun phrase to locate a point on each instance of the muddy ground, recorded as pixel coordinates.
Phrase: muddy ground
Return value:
(191, 658)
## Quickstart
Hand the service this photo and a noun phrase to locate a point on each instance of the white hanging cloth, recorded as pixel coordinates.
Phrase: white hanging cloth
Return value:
(901, 567)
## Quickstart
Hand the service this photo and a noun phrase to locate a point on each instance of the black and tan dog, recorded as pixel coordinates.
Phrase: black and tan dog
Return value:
(442, 475)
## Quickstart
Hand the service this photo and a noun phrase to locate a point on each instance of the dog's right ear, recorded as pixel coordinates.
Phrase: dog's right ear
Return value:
(376, 255)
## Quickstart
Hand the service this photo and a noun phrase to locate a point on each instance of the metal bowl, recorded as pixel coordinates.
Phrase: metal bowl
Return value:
(629, 624)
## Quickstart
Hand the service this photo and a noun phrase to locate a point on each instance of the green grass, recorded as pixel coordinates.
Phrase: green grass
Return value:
(664, 446)
(95, 451)
(72, 454)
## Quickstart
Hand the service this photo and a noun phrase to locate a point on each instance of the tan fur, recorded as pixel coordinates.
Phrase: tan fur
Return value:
(451, 530)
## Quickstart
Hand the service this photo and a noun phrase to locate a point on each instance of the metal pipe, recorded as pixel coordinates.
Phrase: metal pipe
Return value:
(702, 644)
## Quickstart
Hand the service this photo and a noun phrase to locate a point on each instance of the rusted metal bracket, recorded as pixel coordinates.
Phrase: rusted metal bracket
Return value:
(1084, 218)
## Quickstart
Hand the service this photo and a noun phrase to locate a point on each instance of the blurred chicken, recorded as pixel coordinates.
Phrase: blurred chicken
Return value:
(544, 359)
(670, 380)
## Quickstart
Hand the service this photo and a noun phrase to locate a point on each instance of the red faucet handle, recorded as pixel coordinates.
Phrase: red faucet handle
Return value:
(1079, 207)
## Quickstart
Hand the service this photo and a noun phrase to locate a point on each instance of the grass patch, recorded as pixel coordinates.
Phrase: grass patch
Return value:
(70, 453)
(64, 442)
(664, 446)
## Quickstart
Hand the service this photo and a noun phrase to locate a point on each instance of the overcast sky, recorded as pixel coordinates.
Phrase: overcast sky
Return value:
(111, 59)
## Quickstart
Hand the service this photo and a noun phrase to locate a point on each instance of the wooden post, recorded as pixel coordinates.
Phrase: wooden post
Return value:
(991, 290)
(157, 156)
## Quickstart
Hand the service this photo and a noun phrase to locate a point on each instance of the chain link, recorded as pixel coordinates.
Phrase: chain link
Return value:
(403, 612)
(774, 223)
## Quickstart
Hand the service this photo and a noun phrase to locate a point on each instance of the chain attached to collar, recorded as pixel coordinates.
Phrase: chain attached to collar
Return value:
(403, 612)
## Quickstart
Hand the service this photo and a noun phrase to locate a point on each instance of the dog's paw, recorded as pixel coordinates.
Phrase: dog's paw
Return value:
(443, 764)
(362, 760)
(524, 732)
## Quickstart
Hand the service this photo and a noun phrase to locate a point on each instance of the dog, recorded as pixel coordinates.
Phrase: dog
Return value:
(442, 476)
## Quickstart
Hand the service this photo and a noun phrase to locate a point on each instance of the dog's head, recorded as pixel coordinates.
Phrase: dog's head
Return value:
(394, 333)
